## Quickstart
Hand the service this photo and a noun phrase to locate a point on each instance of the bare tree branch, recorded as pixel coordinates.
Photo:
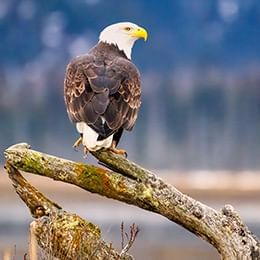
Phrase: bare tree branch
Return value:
(132, 184)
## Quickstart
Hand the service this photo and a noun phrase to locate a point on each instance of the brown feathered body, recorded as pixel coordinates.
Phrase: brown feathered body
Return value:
(102, 95)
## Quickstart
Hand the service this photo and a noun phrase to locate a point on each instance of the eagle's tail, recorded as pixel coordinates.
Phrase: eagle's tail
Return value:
(90, 138)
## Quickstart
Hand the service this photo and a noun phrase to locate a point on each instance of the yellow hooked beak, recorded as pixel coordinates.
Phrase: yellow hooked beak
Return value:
(140, 33)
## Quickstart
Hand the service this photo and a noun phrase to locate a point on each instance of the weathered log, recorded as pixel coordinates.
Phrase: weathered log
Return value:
(61, 234)
(132, 184)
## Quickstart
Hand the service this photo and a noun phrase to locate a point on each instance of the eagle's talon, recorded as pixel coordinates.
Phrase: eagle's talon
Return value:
(77, 143)
(85, 151)
(118, 151)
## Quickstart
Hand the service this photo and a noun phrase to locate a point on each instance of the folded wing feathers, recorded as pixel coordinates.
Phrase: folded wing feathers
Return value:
(100, 102)
(98, 92)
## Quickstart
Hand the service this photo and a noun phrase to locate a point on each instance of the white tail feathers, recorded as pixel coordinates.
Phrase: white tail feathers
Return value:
(90, 138)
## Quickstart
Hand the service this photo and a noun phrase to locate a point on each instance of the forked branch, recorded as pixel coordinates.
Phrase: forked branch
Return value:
(130, 183)
(61, 234)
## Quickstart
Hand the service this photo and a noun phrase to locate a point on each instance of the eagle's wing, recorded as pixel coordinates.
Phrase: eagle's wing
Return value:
(105, 95)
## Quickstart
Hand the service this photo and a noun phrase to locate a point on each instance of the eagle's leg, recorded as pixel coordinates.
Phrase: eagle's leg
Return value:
(117, 151)
(85, 151)
(78, 142)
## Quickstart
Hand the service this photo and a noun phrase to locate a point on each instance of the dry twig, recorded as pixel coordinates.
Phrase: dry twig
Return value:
(134, 230)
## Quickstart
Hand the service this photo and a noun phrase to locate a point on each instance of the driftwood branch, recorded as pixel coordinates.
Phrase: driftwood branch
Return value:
(128, 182)
(61, 234)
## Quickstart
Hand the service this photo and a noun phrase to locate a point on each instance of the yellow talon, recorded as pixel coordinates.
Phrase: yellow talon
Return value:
(117, 151)
(85, 150)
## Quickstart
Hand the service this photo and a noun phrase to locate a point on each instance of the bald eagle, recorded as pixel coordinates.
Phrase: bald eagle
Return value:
(102, 88)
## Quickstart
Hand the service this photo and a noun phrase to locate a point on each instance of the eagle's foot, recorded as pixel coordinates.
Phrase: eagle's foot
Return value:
(77, 143)
(85, 151)
(117, 151)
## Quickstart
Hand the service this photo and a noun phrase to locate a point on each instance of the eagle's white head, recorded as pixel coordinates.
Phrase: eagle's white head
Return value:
(123, 35)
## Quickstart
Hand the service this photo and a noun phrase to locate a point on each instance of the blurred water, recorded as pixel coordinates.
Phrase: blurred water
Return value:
(158, 238)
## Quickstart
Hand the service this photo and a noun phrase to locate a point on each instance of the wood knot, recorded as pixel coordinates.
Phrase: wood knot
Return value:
(39, 211)
(242, 232)
(255, 252)
(228, 210)
(225, 222)
(198, 212)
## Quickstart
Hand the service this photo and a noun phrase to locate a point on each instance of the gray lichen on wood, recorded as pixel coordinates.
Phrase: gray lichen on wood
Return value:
(130, 183)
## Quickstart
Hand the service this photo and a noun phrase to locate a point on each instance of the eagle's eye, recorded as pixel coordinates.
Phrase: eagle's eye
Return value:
(127, 28)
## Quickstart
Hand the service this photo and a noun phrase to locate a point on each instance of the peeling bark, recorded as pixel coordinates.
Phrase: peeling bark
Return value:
(130, 183)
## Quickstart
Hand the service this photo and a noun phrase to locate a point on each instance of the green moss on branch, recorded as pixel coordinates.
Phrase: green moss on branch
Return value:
(133, 184)
(61, 234)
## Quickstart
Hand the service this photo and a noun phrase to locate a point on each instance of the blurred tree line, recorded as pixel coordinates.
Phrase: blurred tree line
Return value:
(200, 72)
